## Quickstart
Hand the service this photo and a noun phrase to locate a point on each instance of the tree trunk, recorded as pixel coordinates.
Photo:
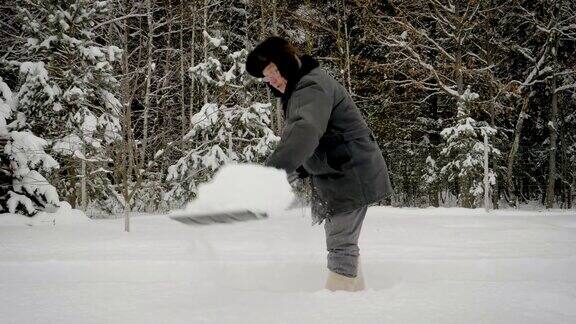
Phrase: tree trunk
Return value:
(553, 128)
(263, 4)
(435, 141)
(344, 45)
(182, 72)
(347, 43)
(205, 46)
(279, 119)
(564, 161)
(514, 149)
(148, 81)
(193, 63)
(128, 149)
(490, 25)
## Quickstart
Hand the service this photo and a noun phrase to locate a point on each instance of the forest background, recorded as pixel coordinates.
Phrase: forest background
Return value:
(130, 105)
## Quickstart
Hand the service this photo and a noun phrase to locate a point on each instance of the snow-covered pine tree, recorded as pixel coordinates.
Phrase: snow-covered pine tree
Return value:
(463, 153)
(22, 161)
(569, 145)
(68, 87)
(231, 127)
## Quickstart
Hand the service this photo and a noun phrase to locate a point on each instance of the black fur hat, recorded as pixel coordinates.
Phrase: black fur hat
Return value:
(280, 52)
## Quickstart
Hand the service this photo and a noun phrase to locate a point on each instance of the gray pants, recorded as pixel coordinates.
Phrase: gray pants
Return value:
(342, 232)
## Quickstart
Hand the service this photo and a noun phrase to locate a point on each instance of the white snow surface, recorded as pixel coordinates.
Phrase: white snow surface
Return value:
(243, 187)
(432, 265)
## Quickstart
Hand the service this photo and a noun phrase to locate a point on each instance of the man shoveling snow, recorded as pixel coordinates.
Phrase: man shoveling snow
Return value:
(325, 138)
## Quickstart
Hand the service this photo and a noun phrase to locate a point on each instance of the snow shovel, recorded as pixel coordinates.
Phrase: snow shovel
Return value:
(219, 217)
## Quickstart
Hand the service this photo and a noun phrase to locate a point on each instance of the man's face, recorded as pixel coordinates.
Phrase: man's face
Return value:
(272, 77)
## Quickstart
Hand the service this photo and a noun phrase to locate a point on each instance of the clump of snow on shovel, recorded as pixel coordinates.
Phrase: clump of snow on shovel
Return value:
(243, 187)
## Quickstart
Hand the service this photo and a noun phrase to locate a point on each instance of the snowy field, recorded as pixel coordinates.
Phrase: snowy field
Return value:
(421, 266)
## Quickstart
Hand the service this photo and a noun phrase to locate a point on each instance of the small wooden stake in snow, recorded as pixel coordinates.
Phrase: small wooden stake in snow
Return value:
(486, 183)
(83, 186)
(126, 220)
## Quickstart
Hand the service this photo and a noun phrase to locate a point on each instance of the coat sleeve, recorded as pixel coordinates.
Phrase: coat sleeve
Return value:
(309, 111)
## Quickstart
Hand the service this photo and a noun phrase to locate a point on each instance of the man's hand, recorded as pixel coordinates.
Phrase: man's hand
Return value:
(293, 178)
(297, 175)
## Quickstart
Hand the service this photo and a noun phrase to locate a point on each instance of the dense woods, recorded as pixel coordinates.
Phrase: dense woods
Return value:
(115, 105)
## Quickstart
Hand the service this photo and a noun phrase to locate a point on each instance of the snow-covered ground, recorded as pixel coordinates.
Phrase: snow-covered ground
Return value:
(421, 266)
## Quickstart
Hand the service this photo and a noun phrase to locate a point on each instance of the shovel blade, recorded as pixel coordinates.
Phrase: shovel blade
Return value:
(219, 217)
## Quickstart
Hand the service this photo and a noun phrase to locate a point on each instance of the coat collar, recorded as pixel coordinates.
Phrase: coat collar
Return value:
(308, 64)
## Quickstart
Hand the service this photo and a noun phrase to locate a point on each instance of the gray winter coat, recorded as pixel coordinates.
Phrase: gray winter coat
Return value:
(325, 134)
